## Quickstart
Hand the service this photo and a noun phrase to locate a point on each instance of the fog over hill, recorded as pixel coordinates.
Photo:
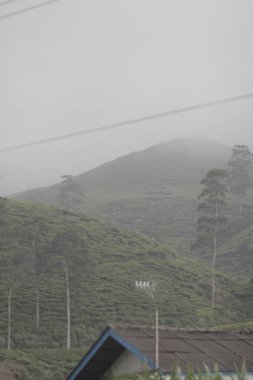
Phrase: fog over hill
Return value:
(77, 65)
(180, 158)
(111, 113)
(153, 191)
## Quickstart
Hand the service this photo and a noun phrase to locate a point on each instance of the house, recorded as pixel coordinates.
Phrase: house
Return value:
(124, 350)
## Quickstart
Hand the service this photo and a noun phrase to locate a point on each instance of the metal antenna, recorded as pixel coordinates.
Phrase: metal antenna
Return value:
(149, 287)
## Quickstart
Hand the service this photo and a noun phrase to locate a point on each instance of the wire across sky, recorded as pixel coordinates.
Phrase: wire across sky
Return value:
(6, 2)
(26, 9)
(129, 122)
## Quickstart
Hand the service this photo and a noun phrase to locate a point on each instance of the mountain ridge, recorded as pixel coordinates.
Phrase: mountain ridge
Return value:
(153, 191)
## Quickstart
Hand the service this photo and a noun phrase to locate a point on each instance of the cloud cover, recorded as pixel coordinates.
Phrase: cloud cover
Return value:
(82, 64)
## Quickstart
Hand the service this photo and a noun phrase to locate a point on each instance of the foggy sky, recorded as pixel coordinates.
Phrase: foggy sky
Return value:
(80, 64)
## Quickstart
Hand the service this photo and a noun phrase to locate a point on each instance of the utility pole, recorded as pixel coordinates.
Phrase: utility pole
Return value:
(149, 287)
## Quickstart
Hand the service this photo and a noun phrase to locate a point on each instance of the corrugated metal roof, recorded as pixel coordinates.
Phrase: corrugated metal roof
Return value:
(182, 347)
(228, 349)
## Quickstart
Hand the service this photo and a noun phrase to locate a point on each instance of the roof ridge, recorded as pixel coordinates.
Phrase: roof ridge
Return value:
(181, 329)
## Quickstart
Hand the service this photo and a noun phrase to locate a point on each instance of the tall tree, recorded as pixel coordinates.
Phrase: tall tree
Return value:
(38, 234)
(238, 169)
(65, 245)
(3, 213)
(35, 268)
(13, 259)
(212, 222)
(70, 196)
(66, 270)
(13, 264)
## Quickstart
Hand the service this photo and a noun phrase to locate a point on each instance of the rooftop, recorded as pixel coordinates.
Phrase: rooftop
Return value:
(184, 346)
(227, 349)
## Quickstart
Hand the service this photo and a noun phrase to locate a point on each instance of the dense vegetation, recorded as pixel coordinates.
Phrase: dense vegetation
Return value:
(38, 364)
(153, 191)
(103, 263)
(50, 255)
(236, 255)
(191, 374)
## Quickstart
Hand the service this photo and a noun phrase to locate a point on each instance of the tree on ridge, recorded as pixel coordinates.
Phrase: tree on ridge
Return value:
(212, 222)
(70, 196)
(238, 172)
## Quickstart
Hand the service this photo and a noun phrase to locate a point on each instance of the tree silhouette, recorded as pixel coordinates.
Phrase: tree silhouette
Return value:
(212, 223)
(70, 196)
(13, 264)
(238, 170)
(65, 245)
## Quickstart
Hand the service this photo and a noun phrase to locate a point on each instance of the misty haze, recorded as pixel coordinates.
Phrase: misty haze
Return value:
(125, 159)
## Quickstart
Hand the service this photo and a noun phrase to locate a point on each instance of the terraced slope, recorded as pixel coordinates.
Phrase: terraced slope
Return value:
(153, 191)
(31, 364)
(236, 256)
(103, 264)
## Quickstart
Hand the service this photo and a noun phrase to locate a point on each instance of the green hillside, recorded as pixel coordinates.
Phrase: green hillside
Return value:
(103, 263)
(39, 364)
(236, 256)
(153, 191)
(245, 295)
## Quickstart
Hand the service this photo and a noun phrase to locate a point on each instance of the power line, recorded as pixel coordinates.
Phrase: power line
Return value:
(8, 2)
(28, 9)
(128, 122)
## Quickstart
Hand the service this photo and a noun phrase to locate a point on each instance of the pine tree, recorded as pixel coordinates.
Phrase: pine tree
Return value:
(12, 267)
(212, 222)
(70, 196)
(238, 169)
(63, 245)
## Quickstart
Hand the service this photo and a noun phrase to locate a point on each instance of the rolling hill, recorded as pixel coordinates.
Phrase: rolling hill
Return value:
(153, 191)
(103, 263)
(236, 256)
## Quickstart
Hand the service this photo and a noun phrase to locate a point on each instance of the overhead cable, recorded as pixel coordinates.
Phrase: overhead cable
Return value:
(8, 2)
(27, 9)
(128, 122)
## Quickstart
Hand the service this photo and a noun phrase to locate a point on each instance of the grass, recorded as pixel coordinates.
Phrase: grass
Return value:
(191, 374)
(47, 364)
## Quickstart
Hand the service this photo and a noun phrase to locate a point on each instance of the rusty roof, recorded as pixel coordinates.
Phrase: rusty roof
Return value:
(227, 349)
